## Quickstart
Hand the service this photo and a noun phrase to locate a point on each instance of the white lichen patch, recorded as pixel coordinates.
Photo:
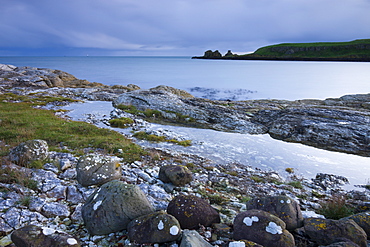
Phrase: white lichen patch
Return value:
(249, 220)
(72, 241)
(288, 201)
(174, 230)
(97, 204)
(281, 201)
(160, 225)
(273, 228)
(47, 231)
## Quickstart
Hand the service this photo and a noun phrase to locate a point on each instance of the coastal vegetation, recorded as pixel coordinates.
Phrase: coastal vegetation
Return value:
(21, 121)
(142, 135)
(357, 50)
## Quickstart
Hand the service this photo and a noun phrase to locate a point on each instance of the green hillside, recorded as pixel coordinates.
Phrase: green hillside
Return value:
(341, 50)
(357, 50)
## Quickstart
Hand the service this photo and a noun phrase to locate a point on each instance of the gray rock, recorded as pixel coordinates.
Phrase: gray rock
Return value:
(177, 175)
(158, 227)
(192, 211)
(326, 231)
(112, 207)
(7, 67)
(199, 111)
(329, 180)
(191, 238)
(53, 209)
(29, 151)
(31, 235)
(97, 169)
(283, 207)
(332, 129)
(263, 228)
(73, 195)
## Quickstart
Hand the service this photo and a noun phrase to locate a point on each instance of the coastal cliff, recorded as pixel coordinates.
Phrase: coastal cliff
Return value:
(356, 51)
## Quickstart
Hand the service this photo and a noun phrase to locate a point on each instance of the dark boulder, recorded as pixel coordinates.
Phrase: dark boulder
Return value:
(283, 207)
(158, 227)
(326, 231)
(363, 220)
(262, 228)
(32, 236)
(192, 211)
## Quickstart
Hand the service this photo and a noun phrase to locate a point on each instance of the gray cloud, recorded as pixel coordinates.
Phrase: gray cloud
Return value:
(176, 27)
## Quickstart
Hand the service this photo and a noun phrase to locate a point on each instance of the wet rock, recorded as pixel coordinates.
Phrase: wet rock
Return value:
(192, 211)
(363, 220)
(326, 231)
(283, 207)
(329, 180)
(331, 129)
(32, 235)
(96, 169)
(112, 207)
(191, 238)
(263, 228)
(158, 227)
(29, 151)
(177, 175)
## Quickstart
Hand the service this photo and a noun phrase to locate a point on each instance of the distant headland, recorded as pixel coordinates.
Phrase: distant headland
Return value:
(353, 51)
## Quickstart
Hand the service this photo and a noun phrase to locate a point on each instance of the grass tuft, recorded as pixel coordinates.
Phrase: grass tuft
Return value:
(335, 208)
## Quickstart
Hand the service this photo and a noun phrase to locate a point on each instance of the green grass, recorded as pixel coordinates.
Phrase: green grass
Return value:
(335, 208)
(296, 184)
(21, 122)
(353, 49)
(142, 135)
(123, 122)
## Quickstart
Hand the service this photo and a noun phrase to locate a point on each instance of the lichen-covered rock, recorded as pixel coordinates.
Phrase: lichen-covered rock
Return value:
(363, 220)
(53, 209)
(177, 175)
(192, 211)
(112, 207)
(31, 235)
(263, 228)
(326, 231)
(191, 238)
(96, 169)
(29, 151)
(158, 227)
(343, 244)
(283, 207)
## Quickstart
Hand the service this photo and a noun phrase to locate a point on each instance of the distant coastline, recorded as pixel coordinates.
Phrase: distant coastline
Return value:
(353, 51)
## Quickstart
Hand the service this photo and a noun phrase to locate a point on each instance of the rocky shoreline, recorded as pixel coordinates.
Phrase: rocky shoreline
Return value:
(65, 202)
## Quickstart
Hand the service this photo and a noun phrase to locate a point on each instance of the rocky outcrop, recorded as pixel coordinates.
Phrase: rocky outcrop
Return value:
(195, 112)
(335, 129)
(212, 54)
(341, 124)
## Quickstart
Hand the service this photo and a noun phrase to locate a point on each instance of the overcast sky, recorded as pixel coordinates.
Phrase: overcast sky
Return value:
(173, 27)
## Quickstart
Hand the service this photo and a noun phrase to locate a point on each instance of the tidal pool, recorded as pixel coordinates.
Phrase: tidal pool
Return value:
(259, 151)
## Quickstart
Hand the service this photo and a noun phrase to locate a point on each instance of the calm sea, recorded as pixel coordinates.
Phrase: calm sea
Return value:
(213, 79)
